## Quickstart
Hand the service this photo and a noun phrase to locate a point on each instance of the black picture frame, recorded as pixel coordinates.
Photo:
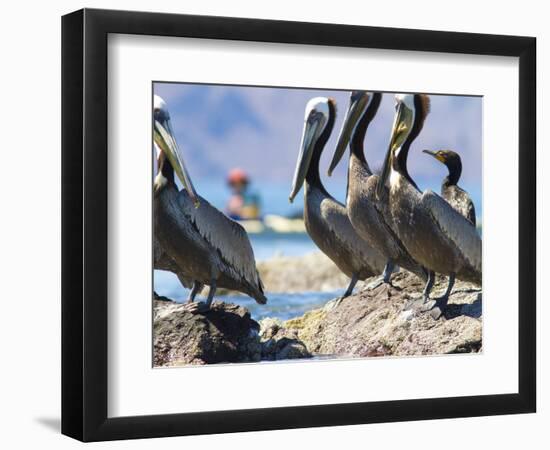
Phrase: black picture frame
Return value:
(84, 224)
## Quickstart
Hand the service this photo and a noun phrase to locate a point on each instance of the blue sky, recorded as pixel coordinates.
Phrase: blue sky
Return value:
(259, 130)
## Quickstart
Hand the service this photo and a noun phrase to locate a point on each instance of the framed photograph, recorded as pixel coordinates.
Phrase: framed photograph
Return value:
(273, 225)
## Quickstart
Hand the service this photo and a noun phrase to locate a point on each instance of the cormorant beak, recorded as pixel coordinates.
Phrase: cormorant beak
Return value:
(164, 138)
(402, 125)
(312, 130)
(356, 109)
(435, 155)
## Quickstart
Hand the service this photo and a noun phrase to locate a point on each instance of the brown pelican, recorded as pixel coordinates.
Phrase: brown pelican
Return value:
(325, 218)
(369, 216)
(161, 261)
(206, 246)
(435, 234)
(457, 197)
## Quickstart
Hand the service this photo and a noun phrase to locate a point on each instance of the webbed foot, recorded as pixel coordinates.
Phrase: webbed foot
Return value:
(375, 284)
(435, 307)
(197, 307)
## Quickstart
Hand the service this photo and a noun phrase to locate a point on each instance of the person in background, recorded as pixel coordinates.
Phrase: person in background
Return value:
(243, 204)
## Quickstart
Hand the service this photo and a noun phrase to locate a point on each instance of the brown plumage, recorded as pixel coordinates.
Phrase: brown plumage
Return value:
(434, 233)
(369, 215)
(192, 238)
(325, 218)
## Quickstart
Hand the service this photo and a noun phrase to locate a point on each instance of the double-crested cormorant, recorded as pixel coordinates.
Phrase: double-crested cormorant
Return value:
(205, 245)
(457, 197)
(325, 218)
(369, 215)
(435, 235)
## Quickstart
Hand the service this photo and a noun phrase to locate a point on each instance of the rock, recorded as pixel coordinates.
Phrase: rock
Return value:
(294, 274)
(368, 324)
(225, 334)
(280, 343)
(373, 323)
(269, 328)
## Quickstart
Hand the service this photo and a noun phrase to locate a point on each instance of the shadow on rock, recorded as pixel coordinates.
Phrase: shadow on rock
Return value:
(473, 310)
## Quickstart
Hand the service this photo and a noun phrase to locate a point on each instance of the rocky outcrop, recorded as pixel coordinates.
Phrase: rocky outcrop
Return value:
(225, 334)
(313, 272)
(373, 322)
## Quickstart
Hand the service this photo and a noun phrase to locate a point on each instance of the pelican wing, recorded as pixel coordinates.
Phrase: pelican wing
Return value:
(224, 234)
(162, 261)
(455, 227)
(337, 221)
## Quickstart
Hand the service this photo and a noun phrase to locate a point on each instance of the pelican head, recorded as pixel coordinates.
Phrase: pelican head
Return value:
(359, 103)
(315, 122)
(167, 147)
(410, 112)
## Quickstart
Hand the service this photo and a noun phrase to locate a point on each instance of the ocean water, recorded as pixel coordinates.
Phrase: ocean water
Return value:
(283, 306)
(280, 305)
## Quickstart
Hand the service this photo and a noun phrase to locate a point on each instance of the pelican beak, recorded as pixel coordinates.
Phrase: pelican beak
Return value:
(312, 130)
(385, 173)
(401, 128)
(164, 138)
(357, 105)
(435, 155)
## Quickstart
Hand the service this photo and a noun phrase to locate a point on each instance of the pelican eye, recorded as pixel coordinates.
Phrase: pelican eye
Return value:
(160, 115)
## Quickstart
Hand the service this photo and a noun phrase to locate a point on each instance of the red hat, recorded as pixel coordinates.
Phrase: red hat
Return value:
(237, 176)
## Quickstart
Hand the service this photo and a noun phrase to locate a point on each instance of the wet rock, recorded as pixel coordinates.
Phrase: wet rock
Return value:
(225, 334)
(373, 322)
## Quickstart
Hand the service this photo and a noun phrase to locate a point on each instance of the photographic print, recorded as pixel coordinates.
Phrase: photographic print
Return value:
(293, 228)
(310, 224)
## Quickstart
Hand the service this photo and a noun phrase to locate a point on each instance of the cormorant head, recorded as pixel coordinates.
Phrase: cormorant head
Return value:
(317, 116)
(452, 160)
(361, 110)
(168, 152)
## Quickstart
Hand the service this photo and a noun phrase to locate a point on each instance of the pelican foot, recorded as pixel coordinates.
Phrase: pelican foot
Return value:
(415, 302)
(436, 308)
(415, 307)
(375, 284)
(337, 301)
(196, 307)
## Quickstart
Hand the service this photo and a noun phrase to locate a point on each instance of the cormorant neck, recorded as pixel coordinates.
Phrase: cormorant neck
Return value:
(455, 170)
(313, 177)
